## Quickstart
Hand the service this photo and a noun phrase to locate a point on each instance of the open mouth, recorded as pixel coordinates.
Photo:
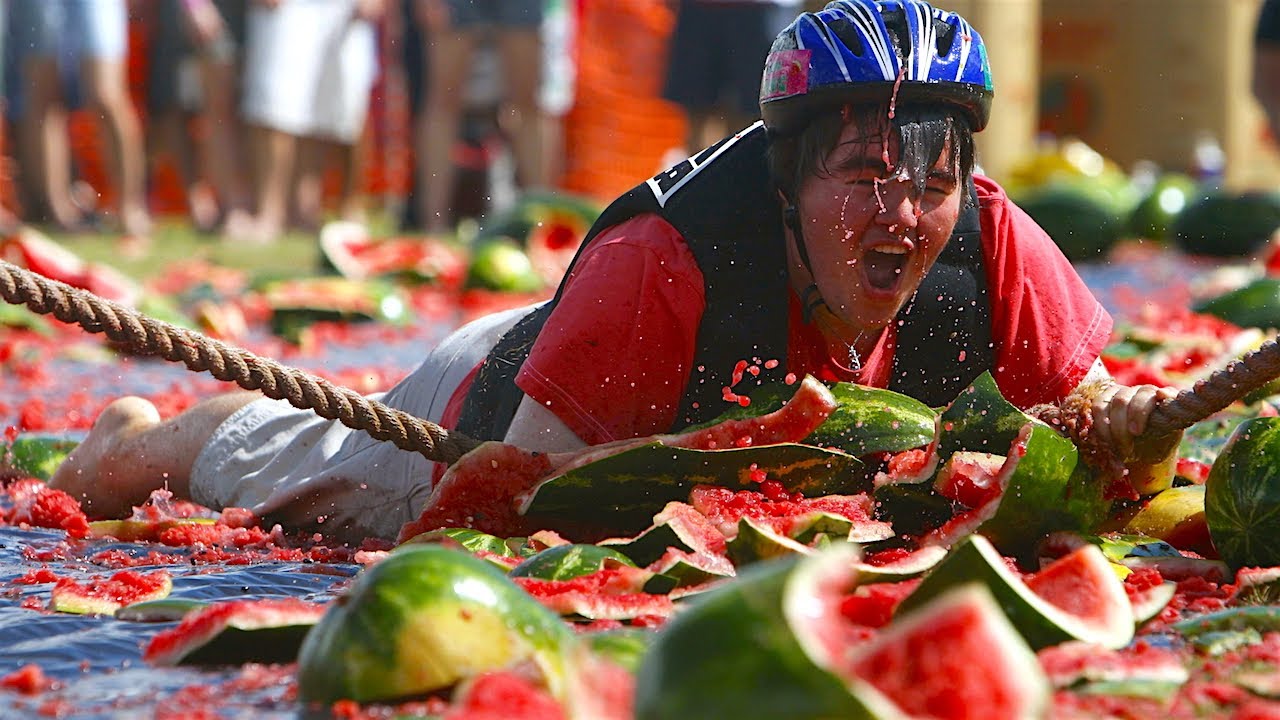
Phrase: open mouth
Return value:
(884, 266)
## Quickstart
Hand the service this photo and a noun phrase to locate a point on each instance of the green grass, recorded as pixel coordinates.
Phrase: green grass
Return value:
(175, 241)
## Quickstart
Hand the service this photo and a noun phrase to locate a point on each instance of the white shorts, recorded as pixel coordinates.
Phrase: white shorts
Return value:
(294, 467)
(309, 69)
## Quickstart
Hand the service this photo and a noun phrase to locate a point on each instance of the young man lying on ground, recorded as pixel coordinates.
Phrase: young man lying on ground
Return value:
(846, 237)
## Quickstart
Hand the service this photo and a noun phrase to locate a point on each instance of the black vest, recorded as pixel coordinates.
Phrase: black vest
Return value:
(724, 204)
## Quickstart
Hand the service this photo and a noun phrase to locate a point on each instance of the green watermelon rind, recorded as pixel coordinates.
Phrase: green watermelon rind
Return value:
(980, 419)
(1227, 224)
(166, 609)
(866, 421)
(565, 562)
(1082, 219)
(1039, 622)
(632, 486)
(398, 630)
(235, 632)
(73, 600)
(756, 543)
(1242, 504)
(1046, 489)
(624, 646)
(872, 420)
(1256, 304)
(38, 456)
(651, 544)
(1261, 618)
(732, 652)
(470, 539)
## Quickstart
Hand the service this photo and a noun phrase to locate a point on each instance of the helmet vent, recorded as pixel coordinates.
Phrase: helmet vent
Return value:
(945, 32)
(846, 33)
(895, 21)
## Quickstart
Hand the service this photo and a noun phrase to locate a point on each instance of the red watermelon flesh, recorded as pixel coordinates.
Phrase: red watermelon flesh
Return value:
(202, 628)
(1073, 662)
(504, 695)
(909, 466)
(38, 505)
(358, 256)
(1083, 584)
(956, 658)
(613, 592)
(105, 596)
(970, 478)
(874, 604)
(692, 527)
(811, 405)
(725, 507)
(478, 492)
(481, 490)
(34, 251)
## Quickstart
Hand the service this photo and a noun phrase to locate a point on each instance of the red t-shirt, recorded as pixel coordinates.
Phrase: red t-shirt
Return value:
(613, 360)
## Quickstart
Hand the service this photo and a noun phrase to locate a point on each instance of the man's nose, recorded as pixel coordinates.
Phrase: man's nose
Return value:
(898, 202)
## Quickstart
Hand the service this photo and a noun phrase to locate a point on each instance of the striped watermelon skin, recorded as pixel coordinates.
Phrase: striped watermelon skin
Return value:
(423, 619)
(627, 489)
(775, 644)
(1242, 496)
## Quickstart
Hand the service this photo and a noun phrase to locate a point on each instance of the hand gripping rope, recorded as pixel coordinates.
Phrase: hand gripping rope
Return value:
(144, 335)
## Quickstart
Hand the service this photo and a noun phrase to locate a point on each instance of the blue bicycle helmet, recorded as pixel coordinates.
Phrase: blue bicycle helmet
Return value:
(858, 50)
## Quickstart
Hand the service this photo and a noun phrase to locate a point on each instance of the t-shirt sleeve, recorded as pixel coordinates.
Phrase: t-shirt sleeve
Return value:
(1047, 326)
(613, 359)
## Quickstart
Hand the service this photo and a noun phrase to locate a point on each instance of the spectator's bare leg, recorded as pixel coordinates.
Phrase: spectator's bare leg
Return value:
(278, 156)
(43, 130)
(313, 161)
(104, 80)
(350, 159)
(449, 71)
(523, 121)
(225, 158)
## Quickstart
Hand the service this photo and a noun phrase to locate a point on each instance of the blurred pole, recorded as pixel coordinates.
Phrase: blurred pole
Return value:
(1011, 31)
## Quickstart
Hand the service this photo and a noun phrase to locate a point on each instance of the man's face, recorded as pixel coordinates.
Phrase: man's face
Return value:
(870, 236)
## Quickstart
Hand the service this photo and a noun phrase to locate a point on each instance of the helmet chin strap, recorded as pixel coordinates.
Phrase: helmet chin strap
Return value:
(811, 297)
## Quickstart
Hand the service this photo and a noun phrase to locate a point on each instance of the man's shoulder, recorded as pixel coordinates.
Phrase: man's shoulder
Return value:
(989, 191)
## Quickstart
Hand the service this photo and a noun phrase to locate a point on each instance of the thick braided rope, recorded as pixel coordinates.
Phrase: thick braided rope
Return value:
(147, 336)
(1217, 391)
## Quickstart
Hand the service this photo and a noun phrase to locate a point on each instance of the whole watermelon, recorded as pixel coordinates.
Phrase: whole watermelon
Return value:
(1254, 305)
(426, 618)
(1226, 224)
(1083, 220)
(1153, 217)
(1242, 496)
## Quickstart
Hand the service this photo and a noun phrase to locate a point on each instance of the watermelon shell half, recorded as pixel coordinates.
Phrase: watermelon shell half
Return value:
(426, 618)
(774, 644)
(235, 632)
(1078, 597)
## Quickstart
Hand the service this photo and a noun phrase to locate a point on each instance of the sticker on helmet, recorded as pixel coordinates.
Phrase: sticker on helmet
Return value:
(786, 73)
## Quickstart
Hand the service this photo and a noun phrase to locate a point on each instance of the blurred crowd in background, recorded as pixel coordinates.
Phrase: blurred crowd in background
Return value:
(250, 118)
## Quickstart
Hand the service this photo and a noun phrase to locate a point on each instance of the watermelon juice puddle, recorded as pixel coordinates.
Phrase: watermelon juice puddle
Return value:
(97, 660)
(71, 389)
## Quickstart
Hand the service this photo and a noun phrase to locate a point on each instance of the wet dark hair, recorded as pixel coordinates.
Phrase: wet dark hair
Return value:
(923, 131)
